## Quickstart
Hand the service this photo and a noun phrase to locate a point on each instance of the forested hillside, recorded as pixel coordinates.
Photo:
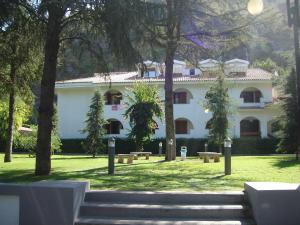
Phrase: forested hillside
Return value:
(270, 37)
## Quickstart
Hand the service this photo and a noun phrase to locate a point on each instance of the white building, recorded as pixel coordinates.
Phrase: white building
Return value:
(250, 90)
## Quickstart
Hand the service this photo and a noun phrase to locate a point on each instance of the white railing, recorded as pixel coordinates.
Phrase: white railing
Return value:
(260, 104)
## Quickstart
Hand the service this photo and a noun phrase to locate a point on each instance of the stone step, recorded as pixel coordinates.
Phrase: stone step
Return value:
(113, 210)
(163, 198)
(156, 221)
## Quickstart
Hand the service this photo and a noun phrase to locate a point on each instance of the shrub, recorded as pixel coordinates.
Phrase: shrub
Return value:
(27, 142)
(240, 146)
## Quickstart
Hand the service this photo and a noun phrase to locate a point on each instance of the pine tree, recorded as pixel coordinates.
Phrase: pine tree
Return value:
(95, 122)
(288, 120)
(217, 102)
(20, 62)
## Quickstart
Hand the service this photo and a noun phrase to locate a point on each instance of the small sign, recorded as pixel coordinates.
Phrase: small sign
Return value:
(114, 107)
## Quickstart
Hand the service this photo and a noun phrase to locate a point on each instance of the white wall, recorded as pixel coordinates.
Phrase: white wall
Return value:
(73, 106)
(9, 210)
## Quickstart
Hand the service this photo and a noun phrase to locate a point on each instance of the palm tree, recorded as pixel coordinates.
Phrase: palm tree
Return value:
(144, 105)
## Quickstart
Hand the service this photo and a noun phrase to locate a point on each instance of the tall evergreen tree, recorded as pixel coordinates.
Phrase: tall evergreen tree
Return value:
(19, 62)
(217, 102)
(62, 21)
(288, 121)
(143, 106)
(94, 129)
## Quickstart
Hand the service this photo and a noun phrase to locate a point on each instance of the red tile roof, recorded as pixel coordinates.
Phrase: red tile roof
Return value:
(129, 77)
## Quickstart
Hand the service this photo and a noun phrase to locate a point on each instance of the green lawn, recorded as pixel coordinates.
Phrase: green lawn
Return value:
(189, 175)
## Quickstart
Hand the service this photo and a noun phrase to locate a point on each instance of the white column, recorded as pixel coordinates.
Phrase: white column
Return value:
(237, 132)
(263, 127)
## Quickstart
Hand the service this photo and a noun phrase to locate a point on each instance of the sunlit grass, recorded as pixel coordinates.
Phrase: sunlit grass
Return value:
(155, 175)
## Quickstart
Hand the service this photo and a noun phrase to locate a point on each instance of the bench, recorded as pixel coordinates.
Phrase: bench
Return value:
(207, 155)
(129, 157)
(146, 154)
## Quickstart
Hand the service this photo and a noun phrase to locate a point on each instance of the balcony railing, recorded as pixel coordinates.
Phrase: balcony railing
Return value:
(260, 104)
(250, 134)
(114, 107)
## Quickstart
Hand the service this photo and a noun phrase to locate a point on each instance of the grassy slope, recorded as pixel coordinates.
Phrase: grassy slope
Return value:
(192, 175)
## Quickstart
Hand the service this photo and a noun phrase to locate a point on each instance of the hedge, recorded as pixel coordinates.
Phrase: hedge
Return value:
(240, 146)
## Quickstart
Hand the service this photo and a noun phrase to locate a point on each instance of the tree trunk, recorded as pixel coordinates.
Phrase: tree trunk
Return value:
(170, 53)
(9, 142)
(43, 153)
(297, 59)
(169, 111)
(139, 146)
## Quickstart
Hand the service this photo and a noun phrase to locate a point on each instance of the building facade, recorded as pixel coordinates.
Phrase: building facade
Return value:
(250, 91)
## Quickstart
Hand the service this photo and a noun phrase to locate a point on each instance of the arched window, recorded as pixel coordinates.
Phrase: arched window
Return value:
(251, 95)
(113, 97)
(250, 127)
(113, 126)
(182, 96)
(183, 126)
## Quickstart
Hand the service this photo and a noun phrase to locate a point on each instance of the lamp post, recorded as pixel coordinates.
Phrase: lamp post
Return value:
(227, 146)
(160, 145)
(293, 21)
(111, 156)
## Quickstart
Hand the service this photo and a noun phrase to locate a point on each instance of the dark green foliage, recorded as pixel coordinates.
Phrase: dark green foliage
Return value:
(94, 129)
(240, 146)
(143, 106)
(217, 102)
(27, 142)
(288, 120)
(254, 146)
(267, 64)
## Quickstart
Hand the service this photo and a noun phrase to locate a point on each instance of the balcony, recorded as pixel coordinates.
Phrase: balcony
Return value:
(114, 111)
(113, 107)
(252, 105)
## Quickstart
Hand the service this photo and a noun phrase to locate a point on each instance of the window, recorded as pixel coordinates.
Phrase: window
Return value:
(113, 127)
(150, 74)
(249, 127)
(113, 98)
(180, 98)
(192, 72)
(181, 126)
(251, 96)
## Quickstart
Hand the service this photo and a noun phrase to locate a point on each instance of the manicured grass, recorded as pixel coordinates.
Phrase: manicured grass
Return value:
(189, 175)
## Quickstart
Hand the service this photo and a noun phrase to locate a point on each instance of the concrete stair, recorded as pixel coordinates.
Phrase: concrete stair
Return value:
(163, 208)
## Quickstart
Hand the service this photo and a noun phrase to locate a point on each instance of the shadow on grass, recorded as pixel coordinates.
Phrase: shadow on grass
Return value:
(79, 157)
(286, 162)
(137, 177)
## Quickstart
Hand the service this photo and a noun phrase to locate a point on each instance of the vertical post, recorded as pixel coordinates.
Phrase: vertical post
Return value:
(160, 145)
(111, 156)
(227, 146)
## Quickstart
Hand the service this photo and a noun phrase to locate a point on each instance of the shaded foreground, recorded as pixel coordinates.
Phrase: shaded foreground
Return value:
(154, 175)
